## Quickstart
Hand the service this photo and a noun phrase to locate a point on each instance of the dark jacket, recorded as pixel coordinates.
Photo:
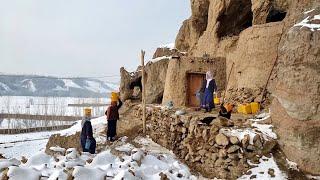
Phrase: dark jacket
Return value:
(87, 130)
(212, 86)
(112, 112)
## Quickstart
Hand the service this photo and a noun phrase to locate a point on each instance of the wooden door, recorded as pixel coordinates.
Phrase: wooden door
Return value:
(194, 82)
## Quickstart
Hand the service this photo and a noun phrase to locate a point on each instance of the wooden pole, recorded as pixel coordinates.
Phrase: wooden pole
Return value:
(225, 91)
(143, 93)
(264, 91)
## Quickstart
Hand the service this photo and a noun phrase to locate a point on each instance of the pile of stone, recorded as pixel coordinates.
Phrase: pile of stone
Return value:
(209, 147)
(247, 95)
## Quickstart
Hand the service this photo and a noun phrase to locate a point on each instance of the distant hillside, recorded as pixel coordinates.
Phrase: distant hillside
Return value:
(29, 85)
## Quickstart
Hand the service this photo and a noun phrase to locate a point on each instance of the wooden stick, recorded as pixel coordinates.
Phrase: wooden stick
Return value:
(225, 91)
(143, 93)
(264, 91)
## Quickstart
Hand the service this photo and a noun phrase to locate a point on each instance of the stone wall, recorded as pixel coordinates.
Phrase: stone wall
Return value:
(206, 148)
(175, 89)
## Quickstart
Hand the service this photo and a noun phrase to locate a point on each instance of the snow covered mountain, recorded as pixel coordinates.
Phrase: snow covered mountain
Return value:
(29, 85)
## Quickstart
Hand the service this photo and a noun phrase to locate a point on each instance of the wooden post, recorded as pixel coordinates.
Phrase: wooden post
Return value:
(225, 91)
(143, 93)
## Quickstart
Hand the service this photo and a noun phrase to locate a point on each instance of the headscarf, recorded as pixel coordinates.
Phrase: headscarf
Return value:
(208, 75)
(84, 119)
(208, 78)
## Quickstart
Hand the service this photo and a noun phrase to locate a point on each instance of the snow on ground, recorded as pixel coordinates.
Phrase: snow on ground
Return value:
(27, 123)
(170, 46)
(144, 159)
(5, 87)
(160, 58)
(260, 171)
(307, 12)
(292, 165)
(264, 129)
(50, 105)
(307, 22)
(146, 162)
(95, 87)
(261, 117)
(69, 83)
(29, 85)
(17, 145)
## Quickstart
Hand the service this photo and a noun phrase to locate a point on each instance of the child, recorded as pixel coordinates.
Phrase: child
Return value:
(112, 114)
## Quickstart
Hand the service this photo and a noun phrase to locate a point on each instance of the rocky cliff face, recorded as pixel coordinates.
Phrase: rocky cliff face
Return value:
(255, 35)
(296, 108)
(156, 72)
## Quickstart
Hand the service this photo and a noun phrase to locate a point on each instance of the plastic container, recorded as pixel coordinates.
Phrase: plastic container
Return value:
(114, 96)
(255, 107)
(216, 100)
(244, 108)
(87, 111)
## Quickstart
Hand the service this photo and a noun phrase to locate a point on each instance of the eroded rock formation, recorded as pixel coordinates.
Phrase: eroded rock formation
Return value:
(296, 107)
(254, 35)
(156, 72)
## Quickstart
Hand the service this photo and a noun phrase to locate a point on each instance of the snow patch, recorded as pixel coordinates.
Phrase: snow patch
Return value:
(29, 85)
(170, 46)
(264, 166)
(239, 133)
(307, 23)
(159, 59)
(261, 117)
(23, 173)
(292, 165)
(58, 149)
(69, 83)
(307, 12)
(95, 87)
(266, 130)
(4, 163)
(5, 87)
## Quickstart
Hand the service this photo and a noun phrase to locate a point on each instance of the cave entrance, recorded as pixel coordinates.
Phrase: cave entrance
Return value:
(276, 15)
(194, 82)
(136, 87)
(235, 18)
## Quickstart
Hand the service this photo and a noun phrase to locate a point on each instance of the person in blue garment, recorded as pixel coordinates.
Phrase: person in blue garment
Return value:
(208, 88)
(87, 133)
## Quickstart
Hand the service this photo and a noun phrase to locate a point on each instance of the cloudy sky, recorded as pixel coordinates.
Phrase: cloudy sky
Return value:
(84, 37)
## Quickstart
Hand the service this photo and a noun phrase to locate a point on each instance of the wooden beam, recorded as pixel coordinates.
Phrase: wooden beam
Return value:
(143, 92)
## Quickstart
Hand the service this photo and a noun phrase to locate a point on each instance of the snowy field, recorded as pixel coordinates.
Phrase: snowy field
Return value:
(50, 105)
(26, 123)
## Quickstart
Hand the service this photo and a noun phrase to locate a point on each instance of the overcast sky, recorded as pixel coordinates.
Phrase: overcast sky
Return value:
(84, 37)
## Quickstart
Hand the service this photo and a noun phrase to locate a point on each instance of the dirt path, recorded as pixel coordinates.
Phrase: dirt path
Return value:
(128, 125)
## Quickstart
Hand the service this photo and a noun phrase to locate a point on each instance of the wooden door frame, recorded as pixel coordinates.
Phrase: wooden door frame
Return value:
(187, 85)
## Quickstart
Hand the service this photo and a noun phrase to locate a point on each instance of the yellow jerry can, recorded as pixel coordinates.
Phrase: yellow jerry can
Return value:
(245, 109)
(87, 111)
(255, 107)
(114, 96)
(216, 100)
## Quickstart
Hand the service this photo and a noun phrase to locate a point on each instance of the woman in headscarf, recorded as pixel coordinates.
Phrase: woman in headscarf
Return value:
(209, 87)
(87, 133)
(112, 114)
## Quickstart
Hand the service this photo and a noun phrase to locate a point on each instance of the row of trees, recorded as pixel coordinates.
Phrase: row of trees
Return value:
(57, 106)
